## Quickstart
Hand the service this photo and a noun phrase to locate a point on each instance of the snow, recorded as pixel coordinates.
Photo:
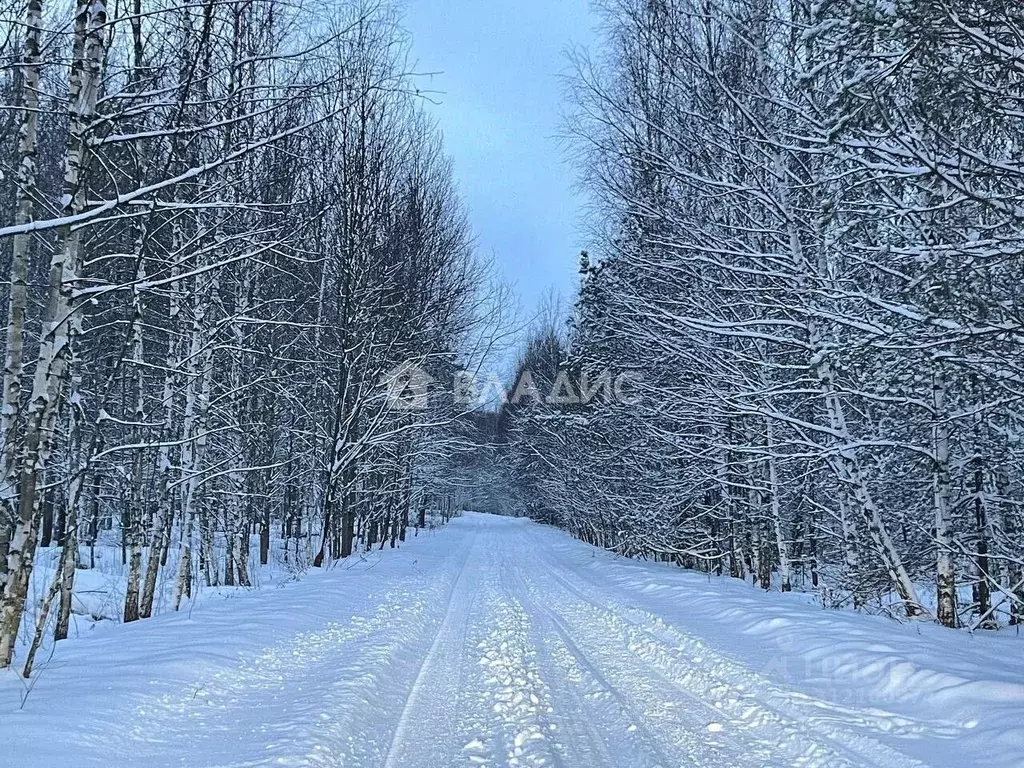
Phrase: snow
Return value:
(500, 642)
(99, 590)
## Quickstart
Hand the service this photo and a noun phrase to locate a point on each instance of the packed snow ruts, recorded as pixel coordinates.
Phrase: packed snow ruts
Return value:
(500, 642)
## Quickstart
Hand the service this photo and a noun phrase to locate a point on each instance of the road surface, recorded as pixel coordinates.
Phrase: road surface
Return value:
(495, 642)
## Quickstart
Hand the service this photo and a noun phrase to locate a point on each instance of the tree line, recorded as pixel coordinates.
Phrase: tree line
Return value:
(807, 220)
(227, 224)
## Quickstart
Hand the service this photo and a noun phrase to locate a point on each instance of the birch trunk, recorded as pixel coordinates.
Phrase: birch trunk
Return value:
(62, 319)
(136, 514)
(18, 301)
(945, 574)
(844, 459)
(985, 578)
(785, 577)
(69, 541)
(44, 614)
(200, 366)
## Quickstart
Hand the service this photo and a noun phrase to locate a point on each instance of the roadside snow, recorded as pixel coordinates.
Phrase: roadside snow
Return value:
(498, 642)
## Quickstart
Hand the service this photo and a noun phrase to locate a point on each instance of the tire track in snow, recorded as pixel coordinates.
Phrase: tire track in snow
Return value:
(278, 698)
(747, 700)
(514, 691)
(437, 687)
(313, 698)
(657, 726)
(636, 748)
(496, 650)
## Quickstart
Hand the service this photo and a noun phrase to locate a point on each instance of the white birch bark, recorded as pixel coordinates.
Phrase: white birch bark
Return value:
(62, 319)
(785, 576)
(20, 247)
(844, 457)
(945, 573)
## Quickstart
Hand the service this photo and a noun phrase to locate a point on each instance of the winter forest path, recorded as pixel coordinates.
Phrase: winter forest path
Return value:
(501, 643)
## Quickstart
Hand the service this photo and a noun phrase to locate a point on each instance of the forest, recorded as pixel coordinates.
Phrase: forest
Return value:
(225, 225)
(292, 473)
(808, 222)
(230, 227)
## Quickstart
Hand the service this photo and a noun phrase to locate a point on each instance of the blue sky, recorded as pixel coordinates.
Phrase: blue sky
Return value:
(497, 64)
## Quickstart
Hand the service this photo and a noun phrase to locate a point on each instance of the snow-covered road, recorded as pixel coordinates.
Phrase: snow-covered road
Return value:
(498, 642)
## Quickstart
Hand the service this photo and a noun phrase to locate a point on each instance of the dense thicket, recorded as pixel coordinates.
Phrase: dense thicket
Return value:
(231, 237)
(810, 255)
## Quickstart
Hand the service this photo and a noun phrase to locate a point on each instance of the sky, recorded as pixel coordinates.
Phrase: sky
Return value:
(496, 65)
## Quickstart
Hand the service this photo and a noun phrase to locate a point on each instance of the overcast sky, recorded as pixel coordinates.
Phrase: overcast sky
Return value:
(498, 64)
